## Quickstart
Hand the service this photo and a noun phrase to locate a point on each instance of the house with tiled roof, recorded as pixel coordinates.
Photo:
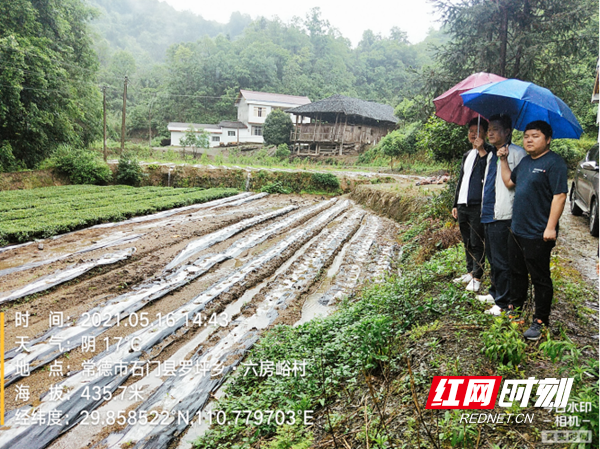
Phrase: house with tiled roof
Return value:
(253, 109)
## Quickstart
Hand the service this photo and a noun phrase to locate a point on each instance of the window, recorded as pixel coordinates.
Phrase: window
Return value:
(257, 130)
(231, 133)
(216, 139)
(593, 154)
(260, 112)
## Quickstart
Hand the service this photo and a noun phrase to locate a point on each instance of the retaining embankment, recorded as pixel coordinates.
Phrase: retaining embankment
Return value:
(31, 179)
(205, 177)
(395, 201)
(254, 180)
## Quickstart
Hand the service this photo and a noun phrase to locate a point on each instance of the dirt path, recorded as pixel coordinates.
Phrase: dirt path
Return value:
(577, 245)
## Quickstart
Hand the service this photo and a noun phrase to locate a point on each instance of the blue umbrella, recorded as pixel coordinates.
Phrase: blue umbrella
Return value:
(524, 102)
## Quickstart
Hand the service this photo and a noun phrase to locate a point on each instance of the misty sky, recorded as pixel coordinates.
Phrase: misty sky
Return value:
(350, 17)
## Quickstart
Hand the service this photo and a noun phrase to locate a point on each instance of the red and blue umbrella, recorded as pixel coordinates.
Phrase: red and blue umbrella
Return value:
(524, 102)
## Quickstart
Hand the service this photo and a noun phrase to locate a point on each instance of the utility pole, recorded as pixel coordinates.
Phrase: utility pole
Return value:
(104, 119)
(124, 111)
(150, 122)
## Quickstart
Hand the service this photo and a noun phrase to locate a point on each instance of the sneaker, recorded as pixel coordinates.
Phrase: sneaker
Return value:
(496, 311)
(464, 279)
(486, 298)
(515, 316)
(535, 331)
(473, 286)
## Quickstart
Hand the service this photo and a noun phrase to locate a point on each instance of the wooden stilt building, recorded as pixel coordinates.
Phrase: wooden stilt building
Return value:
(340, 125)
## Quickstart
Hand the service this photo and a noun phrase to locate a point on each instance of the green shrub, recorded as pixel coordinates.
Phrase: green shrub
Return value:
(283, 151)
(262, 154)
(278, 127)
(7, 158)
(326, 181)
(555, 349)
(502, 342)
(129, 171)
(81, 166)
(369, 156)
(571, 150)
(276, 187)
(444, 141)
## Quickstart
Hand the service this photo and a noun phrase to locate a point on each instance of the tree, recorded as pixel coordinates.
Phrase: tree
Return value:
(278, 127)
(444, 141)
(47, 92)
(399, 142)
(194, 139)
(543, 41)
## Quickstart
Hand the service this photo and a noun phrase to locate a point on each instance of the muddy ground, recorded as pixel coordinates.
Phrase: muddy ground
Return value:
(577, 244)
(285, 268)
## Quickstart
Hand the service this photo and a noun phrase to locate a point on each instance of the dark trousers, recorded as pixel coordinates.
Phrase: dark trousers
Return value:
(497, 234)
(472, 232)
(531, 257)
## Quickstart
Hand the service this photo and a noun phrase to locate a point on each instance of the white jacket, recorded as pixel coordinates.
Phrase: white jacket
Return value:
(504, 197)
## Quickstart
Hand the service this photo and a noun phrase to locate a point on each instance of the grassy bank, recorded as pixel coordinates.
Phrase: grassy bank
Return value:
(370, 365)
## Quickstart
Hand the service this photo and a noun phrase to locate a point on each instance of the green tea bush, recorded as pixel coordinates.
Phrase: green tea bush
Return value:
(81, 166)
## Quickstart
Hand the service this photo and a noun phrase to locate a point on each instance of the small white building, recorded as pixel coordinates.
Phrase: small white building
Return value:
(222, 134)
(253, 108)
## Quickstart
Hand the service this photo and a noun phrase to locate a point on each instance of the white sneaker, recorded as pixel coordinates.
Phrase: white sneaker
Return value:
(473, 285)
(464, 279)
(486, 298)
(496, 311)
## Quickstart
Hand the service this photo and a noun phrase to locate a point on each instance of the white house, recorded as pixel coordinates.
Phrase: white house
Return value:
(253, 108)
(222, 134)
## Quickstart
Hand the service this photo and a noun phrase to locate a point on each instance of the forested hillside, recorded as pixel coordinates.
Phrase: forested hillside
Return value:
(146, 28)
(181, 67)
(200, 79)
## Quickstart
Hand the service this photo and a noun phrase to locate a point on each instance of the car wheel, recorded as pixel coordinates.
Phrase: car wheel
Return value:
(575, 209)
(594, 218)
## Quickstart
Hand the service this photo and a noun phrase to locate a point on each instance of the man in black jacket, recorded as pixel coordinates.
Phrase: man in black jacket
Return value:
(467, 204)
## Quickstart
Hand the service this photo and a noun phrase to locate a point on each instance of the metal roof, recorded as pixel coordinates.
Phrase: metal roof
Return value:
(250, 95)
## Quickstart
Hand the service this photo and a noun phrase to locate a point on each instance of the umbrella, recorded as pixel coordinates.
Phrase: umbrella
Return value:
(449, 106)
(524, 102)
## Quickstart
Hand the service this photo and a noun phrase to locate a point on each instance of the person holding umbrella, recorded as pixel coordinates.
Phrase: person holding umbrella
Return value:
(496, 213)
(540, 185)
(467, 203)
(449, 106)
(534, 231)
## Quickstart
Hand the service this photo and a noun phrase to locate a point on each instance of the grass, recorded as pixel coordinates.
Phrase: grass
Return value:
(371, 364)
(418, 164)
(44, 212)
